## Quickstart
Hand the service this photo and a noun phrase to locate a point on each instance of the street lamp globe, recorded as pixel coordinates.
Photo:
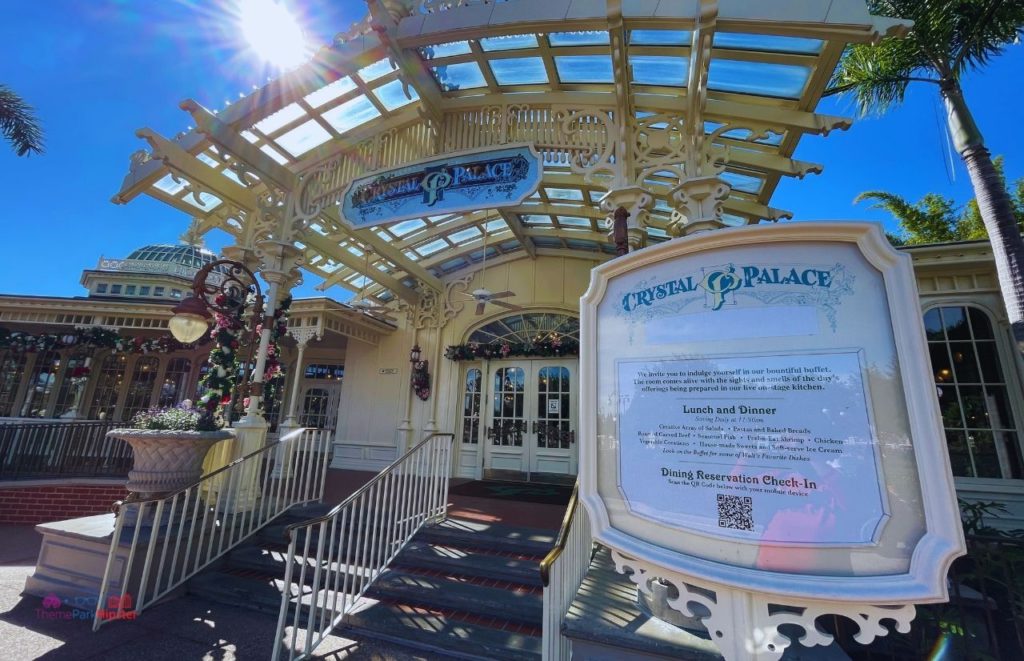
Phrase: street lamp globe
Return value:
(190, 320)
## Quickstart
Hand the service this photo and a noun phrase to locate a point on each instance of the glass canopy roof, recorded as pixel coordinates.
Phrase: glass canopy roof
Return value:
(410, 75)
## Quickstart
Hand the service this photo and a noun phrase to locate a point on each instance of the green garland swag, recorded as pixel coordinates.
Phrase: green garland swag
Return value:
(273, 375)
(96, 337)
(219, 381)
(552, 348)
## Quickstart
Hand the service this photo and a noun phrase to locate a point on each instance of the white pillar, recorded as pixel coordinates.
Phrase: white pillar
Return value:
(283, 454)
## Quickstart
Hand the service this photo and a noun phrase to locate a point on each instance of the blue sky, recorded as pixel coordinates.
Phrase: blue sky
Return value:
(97, 71)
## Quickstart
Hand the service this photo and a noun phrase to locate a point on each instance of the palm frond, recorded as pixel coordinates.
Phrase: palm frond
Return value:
(877, 75)
(984, 29)
(934, 219)
(18, 124)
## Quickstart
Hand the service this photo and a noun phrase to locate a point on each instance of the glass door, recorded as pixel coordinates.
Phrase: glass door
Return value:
(553, 430)
(530, 418)
(507, 420)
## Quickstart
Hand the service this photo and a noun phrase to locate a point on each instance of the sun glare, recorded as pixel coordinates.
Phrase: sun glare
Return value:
(273, 33)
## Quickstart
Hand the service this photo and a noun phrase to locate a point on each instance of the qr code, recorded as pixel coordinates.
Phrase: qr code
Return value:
(736, 512)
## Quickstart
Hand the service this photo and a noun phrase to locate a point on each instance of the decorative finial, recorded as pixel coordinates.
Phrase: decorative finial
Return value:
(193, 236)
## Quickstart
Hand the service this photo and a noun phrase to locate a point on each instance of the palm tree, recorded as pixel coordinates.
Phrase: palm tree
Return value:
(18, 124)
(936, 218)
(949, 39)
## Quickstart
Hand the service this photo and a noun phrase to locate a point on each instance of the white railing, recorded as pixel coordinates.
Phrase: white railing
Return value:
(356, 541)
(562, 572)
(178, 535)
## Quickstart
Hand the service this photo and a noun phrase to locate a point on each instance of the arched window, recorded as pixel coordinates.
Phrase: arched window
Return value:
(980, 430)
(108, 387)
(172, 390)
(40, 384)
(528, 328)
(140, 390)
(11, 368)
(71, 384)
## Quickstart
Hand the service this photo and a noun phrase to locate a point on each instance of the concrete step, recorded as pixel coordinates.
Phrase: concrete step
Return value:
(456, 561)
(516, 603)
(459, 635)
(257, 593)
(630, 633)
(270, 563)
(461, 533)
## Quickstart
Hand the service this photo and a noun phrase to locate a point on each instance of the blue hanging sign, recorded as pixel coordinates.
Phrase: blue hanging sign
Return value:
(467, 182)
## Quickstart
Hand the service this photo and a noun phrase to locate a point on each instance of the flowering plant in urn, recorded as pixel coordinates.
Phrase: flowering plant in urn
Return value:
(169, 446)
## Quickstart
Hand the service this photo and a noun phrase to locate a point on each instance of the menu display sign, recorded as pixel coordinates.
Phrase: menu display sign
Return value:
(763, 448)
(758, 411)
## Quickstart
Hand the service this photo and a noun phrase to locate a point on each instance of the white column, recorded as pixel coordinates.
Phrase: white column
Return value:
(280, 260)
(283, 454)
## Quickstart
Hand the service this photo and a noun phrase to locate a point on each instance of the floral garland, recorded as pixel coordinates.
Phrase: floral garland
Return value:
(547, 348)
(96, 337)
(273, 375)
(219, 380)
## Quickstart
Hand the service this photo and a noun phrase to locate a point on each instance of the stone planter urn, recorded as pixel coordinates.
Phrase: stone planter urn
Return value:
(164, 460)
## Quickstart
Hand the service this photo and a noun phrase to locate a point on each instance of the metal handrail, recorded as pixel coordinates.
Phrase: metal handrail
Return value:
(363, 489)
(563, 536)
(357, 541)
(192, 527)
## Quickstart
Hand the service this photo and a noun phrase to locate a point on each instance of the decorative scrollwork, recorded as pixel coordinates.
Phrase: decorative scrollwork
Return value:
(507, 433)
(438, 6)
(554, 435)
(759, 635)
(138, 159)
(589, 137)
(435, 309)
(230, 294)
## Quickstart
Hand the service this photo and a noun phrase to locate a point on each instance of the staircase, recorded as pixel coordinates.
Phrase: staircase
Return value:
(460, 588)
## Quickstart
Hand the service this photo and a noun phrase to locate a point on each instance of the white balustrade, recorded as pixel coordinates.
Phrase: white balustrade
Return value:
(563, 571)
(174, 537)
(348, 548)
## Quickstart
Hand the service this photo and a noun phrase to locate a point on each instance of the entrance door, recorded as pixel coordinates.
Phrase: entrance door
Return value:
(530, 418)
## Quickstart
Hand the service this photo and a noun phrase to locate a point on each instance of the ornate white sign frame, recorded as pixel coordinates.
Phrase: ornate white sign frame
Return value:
(932, 553)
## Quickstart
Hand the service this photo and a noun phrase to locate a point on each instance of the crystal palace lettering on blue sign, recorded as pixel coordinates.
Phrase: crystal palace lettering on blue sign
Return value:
(718, 283)
(483, 180)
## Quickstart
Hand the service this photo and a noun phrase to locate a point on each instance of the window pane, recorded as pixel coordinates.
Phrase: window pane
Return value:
(999, 412)
(989, 359)
(941, 366)
(956, 324)
(965, 365)
(949, 405)
(933, 324)
(959, 458)
(973, 402)
(986, 461)
(980, 324)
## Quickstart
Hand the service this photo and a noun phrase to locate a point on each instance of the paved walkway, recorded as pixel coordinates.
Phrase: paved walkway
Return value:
(189, 628)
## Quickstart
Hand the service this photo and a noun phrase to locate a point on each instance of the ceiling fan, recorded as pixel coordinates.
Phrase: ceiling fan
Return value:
(483, 296)
(366, 306)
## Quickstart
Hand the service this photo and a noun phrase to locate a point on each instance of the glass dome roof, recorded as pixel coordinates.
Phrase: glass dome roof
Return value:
(186, 255)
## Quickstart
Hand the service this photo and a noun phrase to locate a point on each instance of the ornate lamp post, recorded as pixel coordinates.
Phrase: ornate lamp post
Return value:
(228, 297)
